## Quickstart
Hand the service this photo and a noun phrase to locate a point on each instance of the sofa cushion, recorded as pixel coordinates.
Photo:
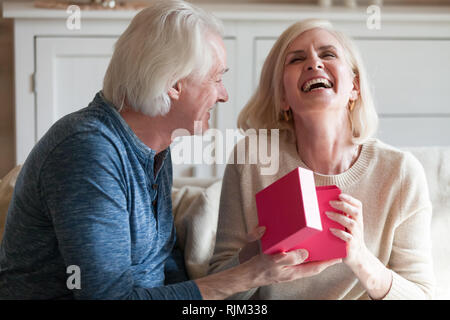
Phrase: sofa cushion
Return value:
(195, 212)
(6, 190)
(436, 163)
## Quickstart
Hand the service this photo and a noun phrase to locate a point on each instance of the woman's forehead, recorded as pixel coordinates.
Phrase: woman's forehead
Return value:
(318, 37)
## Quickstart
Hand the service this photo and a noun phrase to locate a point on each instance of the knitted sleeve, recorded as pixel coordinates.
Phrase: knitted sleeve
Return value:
(411, 259)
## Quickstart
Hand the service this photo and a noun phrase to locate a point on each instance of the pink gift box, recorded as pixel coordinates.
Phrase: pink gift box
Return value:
(293, 211)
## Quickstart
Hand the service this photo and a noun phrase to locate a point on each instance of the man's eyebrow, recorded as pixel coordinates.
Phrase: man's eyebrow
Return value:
(322, 48)
(225, 70)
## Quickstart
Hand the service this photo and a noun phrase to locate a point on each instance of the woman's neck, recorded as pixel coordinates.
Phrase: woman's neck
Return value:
(324, 142)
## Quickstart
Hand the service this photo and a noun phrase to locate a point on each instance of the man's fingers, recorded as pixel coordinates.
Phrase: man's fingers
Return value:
(313, 268)
(256, 233)
(290, 258)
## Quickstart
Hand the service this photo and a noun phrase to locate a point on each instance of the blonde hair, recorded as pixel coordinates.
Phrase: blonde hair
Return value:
(163, 44)
(263, 110)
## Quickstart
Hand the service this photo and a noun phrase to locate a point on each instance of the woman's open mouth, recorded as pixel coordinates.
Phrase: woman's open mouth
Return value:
(317, 83)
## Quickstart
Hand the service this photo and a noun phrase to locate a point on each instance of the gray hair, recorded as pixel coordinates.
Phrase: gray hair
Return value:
(163, 44)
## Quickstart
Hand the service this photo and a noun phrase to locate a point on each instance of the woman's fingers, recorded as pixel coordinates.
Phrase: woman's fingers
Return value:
(341, 219)
(341, 234)
(353, 201)
(346, 207)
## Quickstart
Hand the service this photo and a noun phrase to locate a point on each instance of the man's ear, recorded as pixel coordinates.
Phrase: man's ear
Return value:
(175, 91)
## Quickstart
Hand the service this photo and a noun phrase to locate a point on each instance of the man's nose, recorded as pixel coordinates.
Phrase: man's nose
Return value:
(223, 94)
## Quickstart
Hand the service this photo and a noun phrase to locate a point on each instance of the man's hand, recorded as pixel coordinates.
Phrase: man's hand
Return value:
(258, 269)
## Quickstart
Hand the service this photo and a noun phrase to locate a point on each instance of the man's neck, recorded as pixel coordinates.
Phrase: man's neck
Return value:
(152, 131)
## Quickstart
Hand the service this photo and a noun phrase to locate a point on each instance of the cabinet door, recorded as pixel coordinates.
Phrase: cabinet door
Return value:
(69, 72)
(411, 89)
(409, 77)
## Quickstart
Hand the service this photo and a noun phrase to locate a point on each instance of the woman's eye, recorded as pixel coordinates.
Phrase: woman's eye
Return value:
(296, 59)
(329, 54)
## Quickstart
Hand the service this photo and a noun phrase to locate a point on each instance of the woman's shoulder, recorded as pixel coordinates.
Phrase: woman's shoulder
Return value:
(393, 156)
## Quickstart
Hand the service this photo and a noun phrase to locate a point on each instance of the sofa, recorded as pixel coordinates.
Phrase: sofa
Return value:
(196, 206)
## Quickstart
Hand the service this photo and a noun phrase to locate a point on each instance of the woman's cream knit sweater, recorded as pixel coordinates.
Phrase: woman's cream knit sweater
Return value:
(392, 186)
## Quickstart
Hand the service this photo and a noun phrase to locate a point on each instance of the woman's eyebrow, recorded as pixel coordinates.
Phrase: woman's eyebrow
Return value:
(322, 48)
(328, 47)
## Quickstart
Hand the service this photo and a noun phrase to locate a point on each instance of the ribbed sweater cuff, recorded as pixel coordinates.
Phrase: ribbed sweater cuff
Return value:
(402, 289)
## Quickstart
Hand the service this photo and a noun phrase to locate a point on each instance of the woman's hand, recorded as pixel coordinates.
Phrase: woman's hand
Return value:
(373, 275)
(352, 220)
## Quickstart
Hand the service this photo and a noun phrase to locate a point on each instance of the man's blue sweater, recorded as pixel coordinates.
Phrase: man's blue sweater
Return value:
(93, 196)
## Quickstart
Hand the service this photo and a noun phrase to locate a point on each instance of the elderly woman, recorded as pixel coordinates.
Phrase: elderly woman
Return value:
(313, 88)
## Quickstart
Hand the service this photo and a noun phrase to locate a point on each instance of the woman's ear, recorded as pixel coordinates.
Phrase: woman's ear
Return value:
(175, 91)
(284, 105)
(354, 94)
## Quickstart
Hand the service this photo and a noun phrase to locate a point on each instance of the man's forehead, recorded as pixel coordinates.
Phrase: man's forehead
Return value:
(220, 56)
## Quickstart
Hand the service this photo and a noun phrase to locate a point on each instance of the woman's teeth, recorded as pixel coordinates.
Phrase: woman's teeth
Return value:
(316, 84)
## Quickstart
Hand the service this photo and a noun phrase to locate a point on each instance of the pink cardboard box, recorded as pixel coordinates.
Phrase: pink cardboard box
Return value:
(293, 211)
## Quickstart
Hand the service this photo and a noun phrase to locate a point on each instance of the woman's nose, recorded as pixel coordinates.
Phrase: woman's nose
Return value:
(314, 64)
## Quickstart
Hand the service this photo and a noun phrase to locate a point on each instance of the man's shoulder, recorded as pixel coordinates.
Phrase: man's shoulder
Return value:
(85, 134)
(90, 119)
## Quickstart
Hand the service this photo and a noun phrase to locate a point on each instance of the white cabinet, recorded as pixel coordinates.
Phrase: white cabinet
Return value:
(407, 60)
(69, 72)
(411, 88)
(409, 77)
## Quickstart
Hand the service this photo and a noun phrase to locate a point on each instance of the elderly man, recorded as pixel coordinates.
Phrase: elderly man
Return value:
(93, 197)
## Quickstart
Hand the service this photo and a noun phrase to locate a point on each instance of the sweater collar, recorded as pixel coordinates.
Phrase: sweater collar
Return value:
(344, 179)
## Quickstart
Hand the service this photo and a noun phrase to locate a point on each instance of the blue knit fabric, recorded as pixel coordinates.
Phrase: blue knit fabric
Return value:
(92, 195)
